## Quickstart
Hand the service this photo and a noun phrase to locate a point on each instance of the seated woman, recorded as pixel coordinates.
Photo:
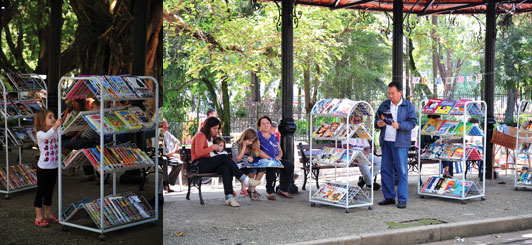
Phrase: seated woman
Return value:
(200, 150)
(245, 150)
(270, 148)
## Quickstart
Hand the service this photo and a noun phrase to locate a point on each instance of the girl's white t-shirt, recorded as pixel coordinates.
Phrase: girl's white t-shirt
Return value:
(48, 147)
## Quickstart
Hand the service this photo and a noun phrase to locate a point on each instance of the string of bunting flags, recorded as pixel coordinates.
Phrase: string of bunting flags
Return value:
(476, 78)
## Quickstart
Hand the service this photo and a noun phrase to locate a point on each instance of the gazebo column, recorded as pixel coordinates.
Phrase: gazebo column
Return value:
(54, 39)
(489, 87)
(397, 64)
(287, 127)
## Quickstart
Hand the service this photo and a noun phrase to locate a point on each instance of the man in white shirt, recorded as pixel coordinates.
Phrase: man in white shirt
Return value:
(395, 118)
(170, 151)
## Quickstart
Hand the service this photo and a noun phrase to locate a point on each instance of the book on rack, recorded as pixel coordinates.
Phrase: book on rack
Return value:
(343, 107)
(17, 82)
(321, 130)
(458, 108)
(22, 135)
(141, 116)
(20, 176)
(330, 193)
(363, 132)
(335, 155)
(74, 209)
(329, 106)
(362, 109)
(115, 158)
(457, 153)
(475, 109)
(445, 106)
(22, 108)
(474, 153)
(459, 131)
(118, 209)
(347, 131)
(122, 88)
(525, 176)
(114, 121)
(431, 106)
(318, 106)
(361, 158)
(129, 120)
(447, 127)
(12, 110)
(7, 84)
(475, 131)
(432, 126)
(138, 85)
(32, 105)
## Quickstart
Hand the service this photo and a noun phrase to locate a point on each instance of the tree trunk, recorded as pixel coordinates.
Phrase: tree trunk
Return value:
(226, 115)
(434, 60)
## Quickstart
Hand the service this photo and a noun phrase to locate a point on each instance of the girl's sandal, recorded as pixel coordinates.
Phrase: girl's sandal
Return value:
(41, 223)
(52, 219)
(244, 192)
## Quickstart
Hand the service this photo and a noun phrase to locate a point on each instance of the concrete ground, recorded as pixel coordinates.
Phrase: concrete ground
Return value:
(17, 214)
(294, 220)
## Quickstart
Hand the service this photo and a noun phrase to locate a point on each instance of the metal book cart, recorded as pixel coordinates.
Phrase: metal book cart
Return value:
(107, 217)
(455, 188)
(9, 173)
(351, 194)
(523, 178)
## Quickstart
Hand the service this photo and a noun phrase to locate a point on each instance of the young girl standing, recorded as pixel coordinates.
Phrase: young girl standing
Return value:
(46, 127)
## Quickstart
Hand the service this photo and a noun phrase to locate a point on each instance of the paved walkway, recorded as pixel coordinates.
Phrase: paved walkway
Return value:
(294, 220)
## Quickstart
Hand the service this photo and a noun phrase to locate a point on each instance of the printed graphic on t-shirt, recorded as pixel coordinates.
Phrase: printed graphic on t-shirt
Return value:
(50, 148)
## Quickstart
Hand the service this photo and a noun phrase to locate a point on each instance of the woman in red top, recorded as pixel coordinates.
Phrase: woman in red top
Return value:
(222, 164)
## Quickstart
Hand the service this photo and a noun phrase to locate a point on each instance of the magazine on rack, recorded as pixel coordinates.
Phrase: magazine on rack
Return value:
(330, 193)
(458, 108)
(431, 106)
(445, 106)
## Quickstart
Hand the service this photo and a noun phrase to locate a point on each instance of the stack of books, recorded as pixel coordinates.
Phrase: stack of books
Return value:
(118, 209)
(22, 82)
(19, 108)
(441, 127)
(340, 157)
(446, 186)
(115, 158)
(20, 176)
(119, 120)
(338, 107)
(340, 194)
(452, 152)
(112, 87)
(18, 136)
(340, 130)
(524, 177)
(451, 107)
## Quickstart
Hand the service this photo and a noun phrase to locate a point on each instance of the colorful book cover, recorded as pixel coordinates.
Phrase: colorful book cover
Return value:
(115, 122)
(447, 127)
(32, 105)
(330, 105)
(431, 106)
(475, 109)
(128, 119)
(363, 132)
(94, 121)
(321, 130)
(23, 108)
(432, 126)
(22, 135)
(459, 131)
(139, 86)
(445, 107)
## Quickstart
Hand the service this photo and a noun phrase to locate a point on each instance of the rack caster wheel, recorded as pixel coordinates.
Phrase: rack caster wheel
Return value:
(516, 189)
(313, 204)
(370, 208)
(464, 202)
(65, 228)
(6, 197)
(102, 237)
(422, 197)
(483, 198)
(346, 210)
(152, 224)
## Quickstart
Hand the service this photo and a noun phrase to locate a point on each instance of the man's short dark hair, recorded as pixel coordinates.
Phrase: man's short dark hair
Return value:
(397, 85)
(210, 112)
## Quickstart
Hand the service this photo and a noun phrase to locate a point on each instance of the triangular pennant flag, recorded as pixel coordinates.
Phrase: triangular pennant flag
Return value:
(479, 78)
(415, 80)
(438, 80)
(460, 79)
(448, 80)
(469, 79)
(424, 80)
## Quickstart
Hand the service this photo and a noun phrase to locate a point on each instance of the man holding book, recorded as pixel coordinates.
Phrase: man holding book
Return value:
(395, 118)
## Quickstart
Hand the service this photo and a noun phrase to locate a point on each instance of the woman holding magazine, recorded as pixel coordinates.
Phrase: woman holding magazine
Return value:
(244, 152)
(270, 148)
(200, 150)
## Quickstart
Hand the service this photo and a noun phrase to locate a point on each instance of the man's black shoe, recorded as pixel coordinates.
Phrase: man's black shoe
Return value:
(376, 186)
(401, 205)
(387, 202)
(361, 182)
